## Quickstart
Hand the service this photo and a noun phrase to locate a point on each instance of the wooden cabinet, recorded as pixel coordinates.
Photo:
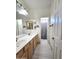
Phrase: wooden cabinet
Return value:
(19, 54)
(30, 51)
(24, 56)
(23, 53)
(36, 41)
(27, 51)
(32, 46)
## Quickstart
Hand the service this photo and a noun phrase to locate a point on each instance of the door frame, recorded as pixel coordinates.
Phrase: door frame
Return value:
(47, 18)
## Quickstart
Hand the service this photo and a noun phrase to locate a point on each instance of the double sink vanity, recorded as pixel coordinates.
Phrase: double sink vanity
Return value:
(26, 44)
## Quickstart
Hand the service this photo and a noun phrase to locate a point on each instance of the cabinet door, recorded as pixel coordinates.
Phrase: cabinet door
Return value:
(31, 46)
(37, 40)
(34, 44)
(27, 51)
(24, 56)
(19, 54)
(30, 50)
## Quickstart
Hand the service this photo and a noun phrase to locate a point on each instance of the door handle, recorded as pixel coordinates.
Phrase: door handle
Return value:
(53, 38)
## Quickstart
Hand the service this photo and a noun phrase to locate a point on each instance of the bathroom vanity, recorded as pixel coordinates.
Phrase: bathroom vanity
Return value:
(26, 45)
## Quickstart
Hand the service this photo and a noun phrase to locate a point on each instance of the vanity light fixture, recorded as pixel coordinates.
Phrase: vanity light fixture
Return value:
(23, 12)
(20, 9)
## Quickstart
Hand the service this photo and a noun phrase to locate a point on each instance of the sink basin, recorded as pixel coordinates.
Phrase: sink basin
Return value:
(20, 36)
(22, 39)
(19, 43)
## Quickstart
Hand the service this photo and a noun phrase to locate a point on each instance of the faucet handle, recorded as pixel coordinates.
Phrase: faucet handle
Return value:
(16, 39)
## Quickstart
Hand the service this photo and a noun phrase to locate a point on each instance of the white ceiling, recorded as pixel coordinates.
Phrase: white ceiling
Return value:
(37, 8)
(38, 4)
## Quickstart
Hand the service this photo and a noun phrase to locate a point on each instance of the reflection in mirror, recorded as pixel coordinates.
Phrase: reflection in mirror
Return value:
(29, 24)
(19, 26)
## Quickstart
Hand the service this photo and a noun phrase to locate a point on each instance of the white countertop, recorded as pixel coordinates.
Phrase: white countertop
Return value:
(22, 41)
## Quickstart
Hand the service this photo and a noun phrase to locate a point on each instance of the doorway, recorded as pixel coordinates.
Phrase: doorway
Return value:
(44, 23)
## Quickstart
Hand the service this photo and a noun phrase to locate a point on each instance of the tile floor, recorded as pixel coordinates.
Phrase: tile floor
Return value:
(43, 51)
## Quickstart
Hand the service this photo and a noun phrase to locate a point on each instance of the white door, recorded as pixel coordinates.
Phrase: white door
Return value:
(58, 39)
(55, 38)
